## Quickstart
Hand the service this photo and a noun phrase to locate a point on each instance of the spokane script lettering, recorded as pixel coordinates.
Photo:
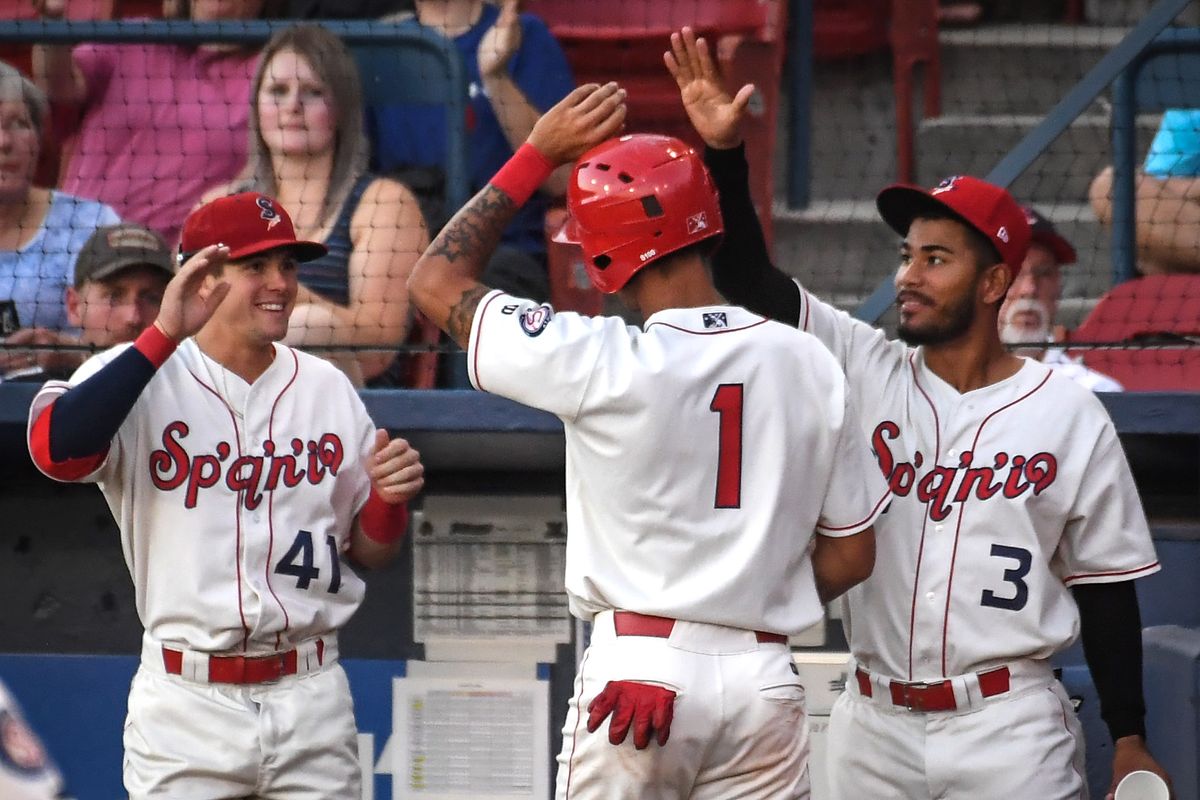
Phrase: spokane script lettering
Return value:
(940, 486)
(309, 461)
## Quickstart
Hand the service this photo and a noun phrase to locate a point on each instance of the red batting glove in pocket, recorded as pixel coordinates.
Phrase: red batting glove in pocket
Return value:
(647, 707)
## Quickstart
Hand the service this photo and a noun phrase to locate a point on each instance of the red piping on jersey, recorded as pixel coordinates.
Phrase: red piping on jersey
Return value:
(1117, 574)
(579, 709)
(72, 469)
(937, 451)
(481, 315)
(962, 510)
(707, 333)
(271, 502)
(237, 437)
(886, 494)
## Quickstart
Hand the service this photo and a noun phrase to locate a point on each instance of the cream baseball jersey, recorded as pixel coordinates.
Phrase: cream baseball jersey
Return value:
(235, 501)
(702, 452)
(1003, 497)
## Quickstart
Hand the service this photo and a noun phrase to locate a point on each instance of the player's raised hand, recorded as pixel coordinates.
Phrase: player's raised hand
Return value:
(580, 121)
(715, 115)
(395, 468)
(648, 707)
(501, 41)
(187, 304)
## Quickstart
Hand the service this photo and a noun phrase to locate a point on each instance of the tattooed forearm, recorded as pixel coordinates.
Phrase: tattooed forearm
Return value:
(462, 315)
(474, 231)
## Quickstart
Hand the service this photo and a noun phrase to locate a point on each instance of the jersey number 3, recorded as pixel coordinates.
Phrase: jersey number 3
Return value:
(1015, 576)
(727, 403)
(298, 562)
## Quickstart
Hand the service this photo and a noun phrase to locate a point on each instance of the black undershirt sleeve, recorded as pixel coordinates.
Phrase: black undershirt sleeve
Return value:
(1111, 629)
(86, 418)
(742, 268)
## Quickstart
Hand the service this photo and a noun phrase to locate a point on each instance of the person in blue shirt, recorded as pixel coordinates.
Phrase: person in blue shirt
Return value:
(1168, 197)
(517, 70)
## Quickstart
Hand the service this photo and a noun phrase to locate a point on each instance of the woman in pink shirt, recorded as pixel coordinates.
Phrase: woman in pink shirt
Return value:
(159, 122)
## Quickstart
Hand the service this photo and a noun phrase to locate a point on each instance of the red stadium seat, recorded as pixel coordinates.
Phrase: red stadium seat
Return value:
(570, 289)
(419, 370)
(1155, 310)
(625, 41)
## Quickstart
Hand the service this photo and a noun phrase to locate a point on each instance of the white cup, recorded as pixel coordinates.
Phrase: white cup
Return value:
(1142, 785)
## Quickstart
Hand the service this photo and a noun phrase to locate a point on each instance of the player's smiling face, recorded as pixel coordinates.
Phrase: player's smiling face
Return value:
(937, 283)
(262, 293)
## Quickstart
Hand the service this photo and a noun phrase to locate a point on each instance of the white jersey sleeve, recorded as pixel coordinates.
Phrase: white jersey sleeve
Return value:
(864, 351)
(1106, 538)
(527, 352)
(855, 483)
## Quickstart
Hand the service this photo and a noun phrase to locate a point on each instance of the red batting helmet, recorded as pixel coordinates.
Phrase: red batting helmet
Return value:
(635, 199)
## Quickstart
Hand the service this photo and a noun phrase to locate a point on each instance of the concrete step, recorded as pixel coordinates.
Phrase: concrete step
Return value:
(1018, 69)
(841, 251)
(972, 145)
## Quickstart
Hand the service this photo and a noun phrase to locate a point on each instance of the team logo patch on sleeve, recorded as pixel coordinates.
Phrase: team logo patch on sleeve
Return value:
(19, 748)
(715, 319)
(535, 320)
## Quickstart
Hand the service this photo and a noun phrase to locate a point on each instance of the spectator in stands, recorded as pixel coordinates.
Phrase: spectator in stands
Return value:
(41, 230)
(120, 277)
(1168, 197)
(307, 148)
(159, 122)
(516, 71)
(1027, 315)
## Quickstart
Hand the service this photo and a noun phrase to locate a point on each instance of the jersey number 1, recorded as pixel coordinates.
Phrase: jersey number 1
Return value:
(727, 403)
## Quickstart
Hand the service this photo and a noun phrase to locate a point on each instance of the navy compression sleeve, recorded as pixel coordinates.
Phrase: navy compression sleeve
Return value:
(86, 418)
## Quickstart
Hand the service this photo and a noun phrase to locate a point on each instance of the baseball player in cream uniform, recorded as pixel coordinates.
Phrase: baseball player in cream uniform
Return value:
(246, 477)
(1013, 511)
(703, 451)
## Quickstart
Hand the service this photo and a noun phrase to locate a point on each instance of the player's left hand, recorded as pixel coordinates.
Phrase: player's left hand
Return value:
(580, 121)
(647, 706)
(1130, 754)
(501, 41)
(395, 469)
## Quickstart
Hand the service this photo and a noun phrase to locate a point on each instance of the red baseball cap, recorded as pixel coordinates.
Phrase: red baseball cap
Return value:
(1045, 234)
(986, 207)
(246, 223)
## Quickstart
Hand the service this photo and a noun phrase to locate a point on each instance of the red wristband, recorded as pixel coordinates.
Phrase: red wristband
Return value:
(382, 521)
(155, 345)
(522, 174)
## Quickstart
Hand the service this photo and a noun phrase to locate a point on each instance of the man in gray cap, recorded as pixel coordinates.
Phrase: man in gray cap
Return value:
(1027, 316)
(120, 276)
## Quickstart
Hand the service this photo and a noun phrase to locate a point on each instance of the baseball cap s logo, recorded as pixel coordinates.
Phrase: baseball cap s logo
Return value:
(946, 185)
(268, 211)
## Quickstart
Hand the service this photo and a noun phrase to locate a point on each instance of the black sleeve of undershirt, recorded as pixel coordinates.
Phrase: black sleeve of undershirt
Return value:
(742, 268)
(87, 416)
(1111, 628)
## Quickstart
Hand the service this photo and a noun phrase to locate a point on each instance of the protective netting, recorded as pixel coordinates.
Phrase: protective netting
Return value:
(143, 129)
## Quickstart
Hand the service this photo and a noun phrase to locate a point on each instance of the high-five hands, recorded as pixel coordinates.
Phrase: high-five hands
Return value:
(648, 707)
(715, 115)
(580, 121)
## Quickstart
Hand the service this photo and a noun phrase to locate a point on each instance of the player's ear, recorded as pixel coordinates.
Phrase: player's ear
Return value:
(994, 283)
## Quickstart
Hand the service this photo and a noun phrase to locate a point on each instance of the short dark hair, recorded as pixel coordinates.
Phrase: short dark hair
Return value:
(985, 253)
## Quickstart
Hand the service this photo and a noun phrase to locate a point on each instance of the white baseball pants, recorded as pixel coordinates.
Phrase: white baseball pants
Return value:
(739, 732)
(294, 739)
(1025, 743)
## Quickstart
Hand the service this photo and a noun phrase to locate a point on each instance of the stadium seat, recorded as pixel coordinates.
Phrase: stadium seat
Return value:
(848, 28)
(626, 42)
(419, 370)
(1150, 313)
